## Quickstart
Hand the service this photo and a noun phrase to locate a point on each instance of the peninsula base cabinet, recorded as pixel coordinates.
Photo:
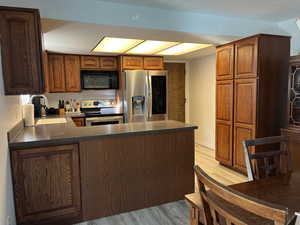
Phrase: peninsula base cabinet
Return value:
(251, 92)
(47, 185)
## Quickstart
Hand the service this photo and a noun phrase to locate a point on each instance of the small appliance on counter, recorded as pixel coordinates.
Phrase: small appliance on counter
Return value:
(101, 113)
(40, 103)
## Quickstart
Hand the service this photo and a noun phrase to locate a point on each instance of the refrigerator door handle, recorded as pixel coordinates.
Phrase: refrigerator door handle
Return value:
(149, 97)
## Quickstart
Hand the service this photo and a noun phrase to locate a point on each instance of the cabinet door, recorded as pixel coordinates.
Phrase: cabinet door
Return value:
(153, 63)
(72, 70)
(241, 133)
(108, 63)
(245, 101)
(224, 142)
(90, 62)
(46, 184)
(57, 77)
(225, 62)
(246, 58)
(21, 51)
(224, 100)
(132, 63)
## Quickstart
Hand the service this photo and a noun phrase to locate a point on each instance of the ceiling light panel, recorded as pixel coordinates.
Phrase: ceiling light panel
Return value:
(183, 48)
(151, 47)
(116, 45)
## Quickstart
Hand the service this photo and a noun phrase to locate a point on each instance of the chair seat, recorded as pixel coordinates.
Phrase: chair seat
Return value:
(237, 212)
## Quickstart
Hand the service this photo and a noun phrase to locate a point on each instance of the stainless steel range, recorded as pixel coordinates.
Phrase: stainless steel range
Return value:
(101, 113)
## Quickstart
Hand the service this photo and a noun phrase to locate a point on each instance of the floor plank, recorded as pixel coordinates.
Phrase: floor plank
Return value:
(175, 213)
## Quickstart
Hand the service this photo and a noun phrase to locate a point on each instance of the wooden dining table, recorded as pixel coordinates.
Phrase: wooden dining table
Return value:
(281, 191)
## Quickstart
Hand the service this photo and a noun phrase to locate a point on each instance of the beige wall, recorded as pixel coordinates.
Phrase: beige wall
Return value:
(10, 114)
(202, 88)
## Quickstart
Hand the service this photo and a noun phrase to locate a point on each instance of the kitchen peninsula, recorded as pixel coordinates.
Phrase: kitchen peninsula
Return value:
(65, 174)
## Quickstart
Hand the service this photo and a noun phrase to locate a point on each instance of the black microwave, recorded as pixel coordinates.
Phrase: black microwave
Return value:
(99, 80)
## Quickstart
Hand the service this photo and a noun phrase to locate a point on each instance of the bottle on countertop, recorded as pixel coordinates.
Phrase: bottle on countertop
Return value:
(61, 107)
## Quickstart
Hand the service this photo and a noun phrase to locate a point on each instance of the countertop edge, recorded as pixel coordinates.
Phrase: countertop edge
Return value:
(60, 141)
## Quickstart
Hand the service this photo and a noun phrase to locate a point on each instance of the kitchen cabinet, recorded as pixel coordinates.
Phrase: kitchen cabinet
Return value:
(57, 76)
(72, 73)
(90, 62)
(225, 62)
(132, 63)
(108, 63)
(47, 184)
(21, 51)
(251, 91)
(153, 63)
(79, 121)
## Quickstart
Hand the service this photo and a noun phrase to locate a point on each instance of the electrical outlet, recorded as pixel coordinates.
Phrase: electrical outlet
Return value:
(8, 221)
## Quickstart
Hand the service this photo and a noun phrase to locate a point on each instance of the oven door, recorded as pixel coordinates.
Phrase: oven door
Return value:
(98, 121)
(99, 80)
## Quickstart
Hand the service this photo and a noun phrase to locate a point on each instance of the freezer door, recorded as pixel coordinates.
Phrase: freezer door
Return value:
(158, 95)
(136, 96)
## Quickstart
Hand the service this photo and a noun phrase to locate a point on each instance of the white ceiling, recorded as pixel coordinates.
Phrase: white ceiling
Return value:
(80, 38)
(271, 10)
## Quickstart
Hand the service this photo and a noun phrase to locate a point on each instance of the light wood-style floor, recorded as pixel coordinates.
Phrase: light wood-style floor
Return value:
(175, 213)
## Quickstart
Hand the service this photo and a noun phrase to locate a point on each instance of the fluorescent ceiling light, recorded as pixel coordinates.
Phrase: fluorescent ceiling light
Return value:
(183, 49)
(151, 47)
(116, 45)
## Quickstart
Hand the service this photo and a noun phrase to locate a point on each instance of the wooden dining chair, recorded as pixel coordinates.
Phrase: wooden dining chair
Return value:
(225, 206)
(267, 162)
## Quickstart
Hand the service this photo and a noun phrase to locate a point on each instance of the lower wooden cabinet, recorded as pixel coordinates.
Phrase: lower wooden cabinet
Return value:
(241, 132)
(224, 142)
(47, 185)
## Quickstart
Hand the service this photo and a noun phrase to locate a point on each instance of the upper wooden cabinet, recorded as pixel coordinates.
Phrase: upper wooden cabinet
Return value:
(21, 51)
(47, 184)
(108, 63)
(132, 63)
(153, 63)
(90, 62)
(246, 58)
(72, 71)
(57, 77)
(251, 98)
(225, 62)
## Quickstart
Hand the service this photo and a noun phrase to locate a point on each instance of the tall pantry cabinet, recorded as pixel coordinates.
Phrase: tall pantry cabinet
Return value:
(251, 93)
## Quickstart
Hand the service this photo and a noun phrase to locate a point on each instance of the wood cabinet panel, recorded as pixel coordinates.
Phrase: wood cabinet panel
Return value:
(132, 63)
(224, 142)
(57, 77)
(79, 122)
(153, 63)
(72, 73)
(46, 183)
(245, 101)
(246, 58)
(21, 51)
(90, 62)
(108, 63)
(242, 132)
(224, 100)
(225, 62)
(109, 175)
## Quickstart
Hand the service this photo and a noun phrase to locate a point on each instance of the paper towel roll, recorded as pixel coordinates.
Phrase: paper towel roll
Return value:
(28, 115)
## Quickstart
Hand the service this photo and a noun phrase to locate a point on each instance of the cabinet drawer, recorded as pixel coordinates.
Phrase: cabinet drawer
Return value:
(46, 184)
(90, 62)
(153, 63)
(132, 63)
(108, 63)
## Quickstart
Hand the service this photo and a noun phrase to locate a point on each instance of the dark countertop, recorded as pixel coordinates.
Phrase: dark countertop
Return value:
(65, 133)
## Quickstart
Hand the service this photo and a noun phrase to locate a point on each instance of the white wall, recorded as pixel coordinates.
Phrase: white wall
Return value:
(202, 99)
(10, 114)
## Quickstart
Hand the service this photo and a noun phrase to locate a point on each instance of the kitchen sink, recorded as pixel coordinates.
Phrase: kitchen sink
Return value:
(51, 121)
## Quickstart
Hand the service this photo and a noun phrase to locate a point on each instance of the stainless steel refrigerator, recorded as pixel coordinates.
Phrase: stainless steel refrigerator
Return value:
(145, 95)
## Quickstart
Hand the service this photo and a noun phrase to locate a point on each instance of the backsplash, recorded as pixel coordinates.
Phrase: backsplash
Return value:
(53, 98)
